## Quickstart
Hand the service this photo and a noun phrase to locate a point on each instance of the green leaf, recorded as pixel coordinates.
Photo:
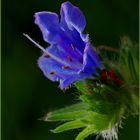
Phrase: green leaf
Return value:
(68, 113)
(66, 116)
(75, 107)
(69, 125)
(85, 133)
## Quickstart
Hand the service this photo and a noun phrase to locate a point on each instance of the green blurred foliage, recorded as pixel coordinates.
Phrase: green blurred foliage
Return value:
(26, 94)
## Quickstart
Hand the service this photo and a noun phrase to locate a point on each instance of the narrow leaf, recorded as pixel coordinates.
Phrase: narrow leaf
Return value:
(69, 125)
(65, 116)
(75, 107)
(86, 132)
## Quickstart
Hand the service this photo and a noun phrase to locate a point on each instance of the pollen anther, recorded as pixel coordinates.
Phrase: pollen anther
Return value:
(69, 58)
(52, 72)
(65, 67)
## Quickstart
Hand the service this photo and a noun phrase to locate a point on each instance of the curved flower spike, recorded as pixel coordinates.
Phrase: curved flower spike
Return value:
(75, 58)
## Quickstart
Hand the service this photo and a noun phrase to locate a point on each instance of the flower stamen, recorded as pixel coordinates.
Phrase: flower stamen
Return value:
(45, 51)
(52, 72)
(65, 67)
(69, 58)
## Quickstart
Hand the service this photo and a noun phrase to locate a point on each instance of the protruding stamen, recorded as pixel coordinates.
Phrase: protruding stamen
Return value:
(69, 58)
(39, 46)
(65, 67)
(45, 51)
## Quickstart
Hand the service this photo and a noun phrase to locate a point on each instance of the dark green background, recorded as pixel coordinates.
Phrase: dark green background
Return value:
(26, 94)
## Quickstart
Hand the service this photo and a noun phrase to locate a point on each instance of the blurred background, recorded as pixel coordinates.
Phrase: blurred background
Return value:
(26, 94)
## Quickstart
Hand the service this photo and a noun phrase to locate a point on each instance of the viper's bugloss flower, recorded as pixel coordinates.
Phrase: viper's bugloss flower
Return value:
(72, 56)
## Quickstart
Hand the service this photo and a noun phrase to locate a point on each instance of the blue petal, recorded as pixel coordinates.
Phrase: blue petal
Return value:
(91, 60)
(57, 71)
(73, 22)
(49, 25)
(68, 80)
(65, 56)
(75, 38)
(53, 69)
(77, 58)
(72, 16)
(54, 34)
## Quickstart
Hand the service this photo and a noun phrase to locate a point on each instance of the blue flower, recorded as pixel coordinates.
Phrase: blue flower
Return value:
(70, 56)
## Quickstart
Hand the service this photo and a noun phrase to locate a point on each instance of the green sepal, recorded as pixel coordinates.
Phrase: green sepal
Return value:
(68, 113)
(66, 116)
(86, 132)
(69, 125)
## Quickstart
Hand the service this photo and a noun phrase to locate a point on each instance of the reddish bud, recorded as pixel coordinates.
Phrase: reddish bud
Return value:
(106, 74)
